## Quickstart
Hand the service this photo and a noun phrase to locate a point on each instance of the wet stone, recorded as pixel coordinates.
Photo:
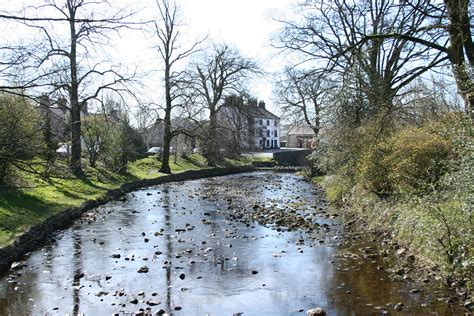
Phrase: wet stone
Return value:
(399, 306)
(143, 269)
(318, 311)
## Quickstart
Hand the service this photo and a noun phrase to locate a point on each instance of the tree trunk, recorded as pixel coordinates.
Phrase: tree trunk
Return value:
(212, 151)
(168, 136)
(165, 160)
(461, 42)
(75, 162)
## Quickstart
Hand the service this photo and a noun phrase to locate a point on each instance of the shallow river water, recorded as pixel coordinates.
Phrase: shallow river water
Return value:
(181, 248)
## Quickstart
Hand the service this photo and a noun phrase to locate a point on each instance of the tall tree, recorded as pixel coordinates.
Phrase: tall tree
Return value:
(339, 35)
(452, 20)
(461, 49)
(217, 75)
(302, 95)
(65, 62)
(169, 49)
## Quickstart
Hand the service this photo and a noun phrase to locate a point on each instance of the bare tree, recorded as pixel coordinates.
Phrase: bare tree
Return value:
(461, 48)
(339, 35)
(168, 47)
(236, 125)
(422, 34)
(452, 19)
(64, 62)
(222, 73)
(302, 95)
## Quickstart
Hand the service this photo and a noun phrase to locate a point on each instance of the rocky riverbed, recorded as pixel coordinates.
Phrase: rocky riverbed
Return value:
(259, 243)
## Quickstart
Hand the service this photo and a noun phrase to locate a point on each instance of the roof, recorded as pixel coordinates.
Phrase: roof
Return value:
(262, 112)
(301, 130)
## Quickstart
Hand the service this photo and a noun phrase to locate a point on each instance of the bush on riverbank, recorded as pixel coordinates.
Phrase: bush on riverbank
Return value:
(416, 183)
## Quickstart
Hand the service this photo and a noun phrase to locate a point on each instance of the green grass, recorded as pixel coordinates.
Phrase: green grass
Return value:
(38, 198)
(25, 207)
(147, 168)
(318, 180)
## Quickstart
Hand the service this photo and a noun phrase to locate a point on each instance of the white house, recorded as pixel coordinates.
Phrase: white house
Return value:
(266, 126)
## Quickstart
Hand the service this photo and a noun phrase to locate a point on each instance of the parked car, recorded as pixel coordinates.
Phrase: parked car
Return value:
(63, 150)
(155, 151)
(197, 150)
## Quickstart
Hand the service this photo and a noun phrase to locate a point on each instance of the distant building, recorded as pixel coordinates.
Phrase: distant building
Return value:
(153, 135)
(284, 134)
(58, 114)
(300, 137)
(247, 126)
(266, 126)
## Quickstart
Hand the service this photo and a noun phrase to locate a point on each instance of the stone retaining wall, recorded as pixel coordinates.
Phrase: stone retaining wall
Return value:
(291, 157)
(38, 234)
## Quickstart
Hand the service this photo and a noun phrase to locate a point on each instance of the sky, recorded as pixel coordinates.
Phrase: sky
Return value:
(247, 25)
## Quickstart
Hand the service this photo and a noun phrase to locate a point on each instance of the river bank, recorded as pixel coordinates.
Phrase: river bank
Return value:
(260, 243)
(404, 228)
(38, 234)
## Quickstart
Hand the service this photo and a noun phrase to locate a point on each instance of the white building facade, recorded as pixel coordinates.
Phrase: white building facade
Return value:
(266, 127)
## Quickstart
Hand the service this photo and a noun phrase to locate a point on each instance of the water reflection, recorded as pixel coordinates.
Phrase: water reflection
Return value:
(169, 243)
(229, 266)
(77, 270)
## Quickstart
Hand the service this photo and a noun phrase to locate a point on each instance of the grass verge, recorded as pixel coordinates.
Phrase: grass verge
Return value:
(36, 198)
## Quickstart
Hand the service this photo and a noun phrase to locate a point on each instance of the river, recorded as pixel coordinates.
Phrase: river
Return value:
(197, 248)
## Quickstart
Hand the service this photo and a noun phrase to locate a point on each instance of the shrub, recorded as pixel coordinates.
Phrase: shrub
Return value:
(411, 160)
(417, 159)
(123, 144)
(20, 136)
(336, 188)
(373, 171)
(95, 136)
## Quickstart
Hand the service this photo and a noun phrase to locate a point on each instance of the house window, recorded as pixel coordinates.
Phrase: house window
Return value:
(268, 133)
(260, 133)
(268, 143)
(275, 122)
(268, 122)
(260, 121)
(276, 133)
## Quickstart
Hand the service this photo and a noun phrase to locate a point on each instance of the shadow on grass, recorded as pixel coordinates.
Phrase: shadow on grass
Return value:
(194, 162)
(19, 210)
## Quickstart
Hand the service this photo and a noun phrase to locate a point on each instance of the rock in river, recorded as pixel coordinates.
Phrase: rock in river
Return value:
(318, 311)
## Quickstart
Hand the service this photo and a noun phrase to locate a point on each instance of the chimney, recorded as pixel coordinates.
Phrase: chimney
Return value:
(261, 104)
(44, 101)
(84, 108)
(62, 104)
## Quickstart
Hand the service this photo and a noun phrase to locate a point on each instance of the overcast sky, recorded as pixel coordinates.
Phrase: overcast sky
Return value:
(246, 24)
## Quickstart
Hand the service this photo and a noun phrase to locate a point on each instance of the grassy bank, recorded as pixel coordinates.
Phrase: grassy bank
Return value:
(37, 198)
